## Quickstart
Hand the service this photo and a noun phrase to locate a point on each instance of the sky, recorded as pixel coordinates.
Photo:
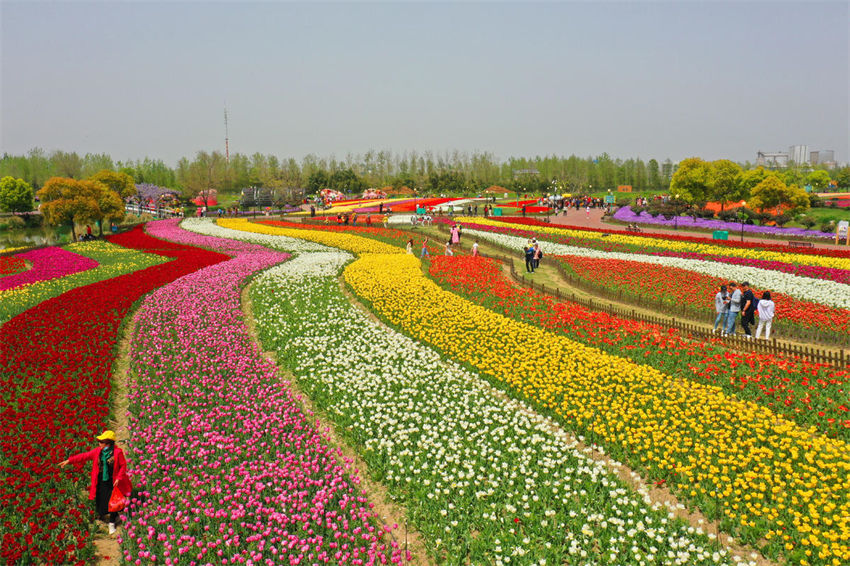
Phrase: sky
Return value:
(639, 79)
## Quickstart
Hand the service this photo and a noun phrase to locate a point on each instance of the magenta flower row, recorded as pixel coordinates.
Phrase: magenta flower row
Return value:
(47, 263)
(231, 470)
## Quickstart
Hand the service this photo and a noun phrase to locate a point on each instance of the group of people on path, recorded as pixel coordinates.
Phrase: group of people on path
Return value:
(731, 301)
(533, 253)
(454, 240)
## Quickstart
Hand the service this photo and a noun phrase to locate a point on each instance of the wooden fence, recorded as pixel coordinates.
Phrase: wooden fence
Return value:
(836, 359)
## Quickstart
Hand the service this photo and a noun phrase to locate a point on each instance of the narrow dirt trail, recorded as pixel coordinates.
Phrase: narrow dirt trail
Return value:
(107, 547)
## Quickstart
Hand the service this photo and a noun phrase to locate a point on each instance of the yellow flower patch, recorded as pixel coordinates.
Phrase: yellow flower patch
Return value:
(762, 471)
(340, 239)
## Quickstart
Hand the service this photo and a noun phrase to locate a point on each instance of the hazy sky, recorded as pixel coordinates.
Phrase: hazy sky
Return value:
(648, 79)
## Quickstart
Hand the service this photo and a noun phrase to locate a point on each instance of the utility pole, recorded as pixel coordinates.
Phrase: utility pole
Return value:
(226, 138)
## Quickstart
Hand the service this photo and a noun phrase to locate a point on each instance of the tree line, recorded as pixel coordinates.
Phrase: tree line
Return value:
(432, 172)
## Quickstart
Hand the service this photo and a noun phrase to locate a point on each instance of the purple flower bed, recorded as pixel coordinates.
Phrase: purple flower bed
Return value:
(47, 263)
(149, 192)
(233, 471)
(625, 214)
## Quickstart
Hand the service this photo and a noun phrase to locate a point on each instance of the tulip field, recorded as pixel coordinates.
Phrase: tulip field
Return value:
(501, 425)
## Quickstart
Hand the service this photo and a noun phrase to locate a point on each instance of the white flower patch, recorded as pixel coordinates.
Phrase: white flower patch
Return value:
(208, 227)
(486, 479)
(821, 291)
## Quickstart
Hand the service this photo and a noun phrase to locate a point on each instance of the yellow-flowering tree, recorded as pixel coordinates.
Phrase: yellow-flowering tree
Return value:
(66, 201)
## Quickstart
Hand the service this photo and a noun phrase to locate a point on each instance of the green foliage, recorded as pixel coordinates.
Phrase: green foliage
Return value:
(842, 177)
(818, 179)
(317, 181)
(121, 183)
(207, 173)
(16, 195)
(750, 178)
(446, 182)
(807, 221)
(724, 185)
(793, 176)
(772, 192)
(346, 181)
(12, 223)
(692, 180)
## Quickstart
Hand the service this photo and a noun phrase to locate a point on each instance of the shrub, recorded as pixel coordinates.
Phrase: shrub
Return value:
(130, 218)
(14, 223)
(728, 215)
(146, 217)
(781, 219)
(827, 226)
(808, 222)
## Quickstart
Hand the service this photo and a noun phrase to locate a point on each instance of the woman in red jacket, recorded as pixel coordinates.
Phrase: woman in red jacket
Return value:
(109, 471)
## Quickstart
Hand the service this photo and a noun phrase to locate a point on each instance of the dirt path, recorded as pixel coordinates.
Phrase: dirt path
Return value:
(107, 548)
(388, 511)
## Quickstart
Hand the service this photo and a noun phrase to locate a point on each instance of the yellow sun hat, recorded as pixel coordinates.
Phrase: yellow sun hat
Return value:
(107, 435)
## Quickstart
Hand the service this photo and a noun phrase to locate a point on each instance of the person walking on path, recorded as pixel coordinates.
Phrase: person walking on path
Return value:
(587, 210)
(109, 472)
(424, 251)
(475, 249)
(449, 251)
(748, 309)
(410, 246)
(529, 258)
(455, 239)
(721, 305)
(734, 309)
(386, 220)
(766, 309)
(537, 254)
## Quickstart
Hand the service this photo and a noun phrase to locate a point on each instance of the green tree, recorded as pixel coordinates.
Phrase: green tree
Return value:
(692, 180)
(94, 162)
(772, 192)
(724, 185)
(66, 164)
(749, 179)
(818, 179)
(792, 176)
(653, 174)
(203, 177)
(121, 183)
(346, 181)
(15, 195)
(317, 181)
(666, 173)
(842, 177)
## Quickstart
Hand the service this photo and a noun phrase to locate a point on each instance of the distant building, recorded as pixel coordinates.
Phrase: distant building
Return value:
(799, 154)
(772, 159)
(813, 157)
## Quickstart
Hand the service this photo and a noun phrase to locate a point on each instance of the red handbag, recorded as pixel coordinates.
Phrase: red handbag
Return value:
(116, 501)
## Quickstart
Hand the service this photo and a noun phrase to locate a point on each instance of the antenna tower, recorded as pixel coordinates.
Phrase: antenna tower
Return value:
(226, 138)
